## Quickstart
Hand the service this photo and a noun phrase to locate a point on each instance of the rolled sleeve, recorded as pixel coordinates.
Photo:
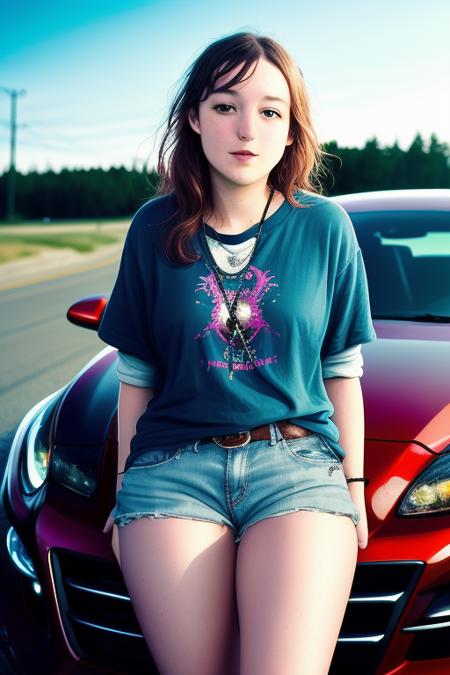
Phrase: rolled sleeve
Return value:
(348, 363)
(135, 371)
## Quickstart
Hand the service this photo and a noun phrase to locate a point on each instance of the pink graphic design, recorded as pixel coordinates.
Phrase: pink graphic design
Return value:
(248, 311)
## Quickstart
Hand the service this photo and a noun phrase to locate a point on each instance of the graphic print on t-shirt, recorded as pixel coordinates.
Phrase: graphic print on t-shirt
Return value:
(249, 312)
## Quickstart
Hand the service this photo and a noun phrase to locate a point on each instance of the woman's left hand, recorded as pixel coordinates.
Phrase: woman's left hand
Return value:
(362, 529)
(358, 497)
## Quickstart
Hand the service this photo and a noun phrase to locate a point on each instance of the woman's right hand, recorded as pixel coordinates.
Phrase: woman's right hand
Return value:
(111, 524)
(115, 536)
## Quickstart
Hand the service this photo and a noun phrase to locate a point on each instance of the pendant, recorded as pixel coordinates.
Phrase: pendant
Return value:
(234, 261)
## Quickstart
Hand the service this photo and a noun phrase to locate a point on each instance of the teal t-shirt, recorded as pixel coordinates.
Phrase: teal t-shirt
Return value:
(304, 296)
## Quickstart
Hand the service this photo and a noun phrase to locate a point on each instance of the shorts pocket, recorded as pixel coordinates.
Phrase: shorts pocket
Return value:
(326, 442)
(154, 457)
(311, 448)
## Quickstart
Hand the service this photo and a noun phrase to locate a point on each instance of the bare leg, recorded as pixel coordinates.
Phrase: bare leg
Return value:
(180, 577)
(293, 579)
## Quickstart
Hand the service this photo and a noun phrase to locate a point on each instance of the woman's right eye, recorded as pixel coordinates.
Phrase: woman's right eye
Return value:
(222, 105)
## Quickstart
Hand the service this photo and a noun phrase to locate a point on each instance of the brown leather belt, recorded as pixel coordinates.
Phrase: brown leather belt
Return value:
(287, 429)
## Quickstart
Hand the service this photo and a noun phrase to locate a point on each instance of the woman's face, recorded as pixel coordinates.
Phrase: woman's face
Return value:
(245, 120)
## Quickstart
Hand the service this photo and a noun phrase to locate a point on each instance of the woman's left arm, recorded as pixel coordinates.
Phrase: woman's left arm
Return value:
(346, 396)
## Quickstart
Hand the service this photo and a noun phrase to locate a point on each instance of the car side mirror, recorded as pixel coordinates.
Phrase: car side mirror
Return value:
(87, 312)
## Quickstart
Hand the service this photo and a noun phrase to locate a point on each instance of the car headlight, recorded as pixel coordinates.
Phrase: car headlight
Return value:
(76, 468)
(36, 443)
(430, 492)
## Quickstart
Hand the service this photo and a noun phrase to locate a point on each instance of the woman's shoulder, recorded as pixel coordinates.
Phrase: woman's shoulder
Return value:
(155, 212)
(331, 219)
(329, 206)
(323, 209)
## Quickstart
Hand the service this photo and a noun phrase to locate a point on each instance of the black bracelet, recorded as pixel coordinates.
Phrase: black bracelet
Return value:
(351, 480)
(120, 472)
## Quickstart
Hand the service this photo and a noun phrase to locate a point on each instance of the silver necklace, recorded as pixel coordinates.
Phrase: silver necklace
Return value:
(234, 259)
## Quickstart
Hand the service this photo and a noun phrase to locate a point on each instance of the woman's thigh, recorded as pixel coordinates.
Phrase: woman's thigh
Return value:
(180, 577)
(294, 574)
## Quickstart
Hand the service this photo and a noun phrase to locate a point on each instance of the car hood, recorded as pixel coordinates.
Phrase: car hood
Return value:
(405, 381)
(89, 403)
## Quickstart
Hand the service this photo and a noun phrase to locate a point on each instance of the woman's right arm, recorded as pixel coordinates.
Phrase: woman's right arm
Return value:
(133, 402)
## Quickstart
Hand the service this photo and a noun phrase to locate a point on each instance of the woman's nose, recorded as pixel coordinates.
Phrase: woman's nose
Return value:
(246, 128)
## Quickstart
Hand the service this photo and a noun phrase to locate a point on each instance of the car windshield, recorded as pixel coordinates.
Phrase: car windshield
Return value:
(407, 260)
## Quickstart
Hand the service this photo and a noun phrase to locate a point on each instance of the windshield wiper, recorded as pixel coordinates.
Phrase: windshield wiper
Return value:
(432, 318)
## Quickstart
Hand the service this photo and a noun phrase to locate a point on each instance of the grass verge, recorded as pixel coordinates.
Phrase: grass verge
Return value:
(15, 246)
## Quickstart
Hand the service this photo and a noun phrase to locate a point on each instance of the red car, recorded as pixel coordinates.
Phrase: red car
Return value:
(59, 484)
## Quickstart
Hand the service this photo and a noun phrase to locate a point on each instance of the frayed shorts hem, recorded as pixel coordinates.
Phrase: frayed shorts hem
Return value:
(355, 519)
(126, 518)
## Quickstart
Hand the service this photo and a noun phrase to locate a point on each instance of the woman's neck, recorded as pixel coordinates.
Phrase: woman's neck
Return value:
(238, 217)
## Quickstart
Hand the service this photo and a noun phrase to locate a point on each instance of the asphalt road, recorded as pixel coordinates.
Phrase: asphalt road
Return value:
(39, 352)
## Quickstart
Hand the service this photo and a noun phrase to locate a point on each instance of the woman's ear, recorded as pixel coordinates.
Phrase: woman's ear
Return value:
(193, 120)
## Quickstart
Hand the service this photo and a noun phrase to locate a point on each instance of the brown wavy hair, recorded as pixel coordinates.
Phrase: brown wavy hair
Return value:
(187, 175)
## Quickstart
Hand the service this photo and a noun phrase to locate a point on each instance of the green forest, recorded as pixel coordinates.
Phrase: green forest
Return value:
(119, 192)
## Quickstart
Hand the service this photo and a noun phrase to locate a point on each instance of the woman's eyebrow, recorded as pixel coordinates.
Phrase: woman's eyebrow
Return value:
(237, 95)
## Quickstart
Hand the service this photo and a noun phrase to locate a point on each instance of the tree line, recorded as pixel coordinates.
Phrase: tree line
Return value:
(119, 192)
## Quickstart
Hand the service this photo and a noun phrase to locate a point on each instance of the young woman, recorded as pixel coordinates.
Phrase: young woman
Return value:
(239, 310)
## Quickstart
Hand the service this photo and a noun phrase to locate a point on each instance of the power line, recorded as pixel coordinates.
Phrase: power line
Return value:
(13, 93)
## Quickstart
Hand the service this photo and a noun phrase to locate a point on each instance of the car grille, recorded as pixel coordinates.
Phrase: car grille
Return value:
(102, 628)
(379, 593)
(97, 614)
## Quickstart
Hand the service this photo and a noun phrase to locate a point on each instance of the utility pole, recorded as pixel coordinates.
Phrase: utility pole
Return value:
(14, 93)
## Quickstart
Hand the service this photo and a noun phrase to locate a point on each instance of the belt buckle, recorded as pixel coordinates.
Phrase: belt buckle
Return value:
(239, 445)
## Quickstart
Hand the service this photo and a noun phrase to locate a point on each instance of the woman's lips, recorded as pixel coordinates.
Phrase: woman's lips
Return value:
(242, 158)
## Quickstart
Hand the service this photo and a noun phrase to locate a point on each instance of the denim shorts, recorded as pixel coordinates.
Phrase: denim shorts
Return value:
(236, 486)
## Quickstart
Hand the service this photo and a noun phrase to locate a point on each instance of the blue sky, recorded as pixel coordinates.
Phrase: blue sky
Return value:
(99, 76)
